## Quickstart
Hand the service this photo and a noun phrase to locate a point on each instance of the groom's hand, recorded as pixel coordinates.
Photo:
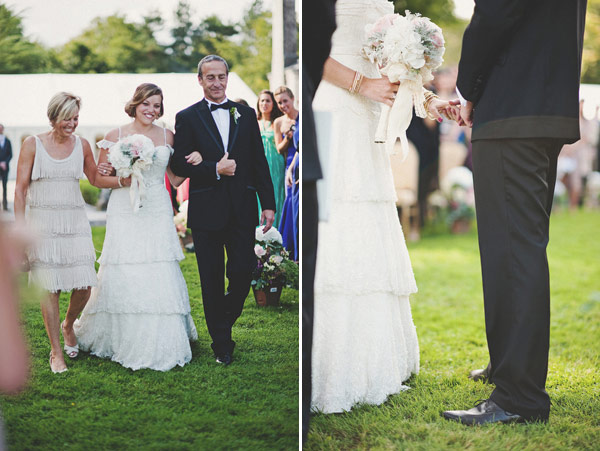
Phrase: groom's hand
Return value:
(226, 166)
(466, 114)
(267, 217)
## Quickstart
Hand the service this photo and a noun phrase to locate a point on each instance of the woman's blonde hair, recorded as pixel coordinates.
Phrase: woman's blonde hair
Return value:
(284, 90)
(142, 92)
(63, 105)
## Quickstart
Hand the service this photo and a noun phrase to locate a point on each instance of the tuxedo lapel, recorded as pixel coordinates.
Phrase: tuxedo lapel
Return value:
(233, 130)
(208, 121)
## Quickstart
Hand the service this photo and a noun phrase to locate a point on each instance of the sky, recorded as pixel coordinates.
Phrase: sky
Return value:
(55, 22)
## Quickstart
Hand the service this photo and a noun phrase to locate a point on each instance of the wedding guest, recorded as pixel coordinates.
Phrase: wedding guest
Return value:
(13, 351)
(267, 113)
(5, 157)
(242, 101)
(284, 139)
(48, 172)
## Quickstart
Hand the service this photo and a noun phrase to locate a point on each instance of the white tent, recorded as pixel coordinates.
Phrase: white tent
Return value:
(24, 100)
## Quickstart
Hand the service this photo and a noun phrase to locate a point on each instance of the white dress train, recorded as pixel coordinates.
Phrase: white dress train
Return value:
(365, 343)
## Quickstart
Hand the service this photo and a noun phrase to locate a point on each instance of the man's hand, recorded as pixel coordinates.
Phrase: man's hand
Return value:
(3, 165)
(267, 217)
(226, 166)
(466, 114)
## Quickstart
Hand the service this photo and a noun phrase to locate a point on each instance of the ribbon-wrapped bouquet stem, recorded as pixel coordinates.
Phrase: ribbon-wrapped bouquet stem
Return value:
(130, 156)
(407, 49)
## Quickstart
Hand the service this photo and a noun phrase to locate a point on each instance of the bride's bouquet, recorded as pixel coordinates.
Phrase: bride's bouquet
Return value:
(130, 156)
(407, 49)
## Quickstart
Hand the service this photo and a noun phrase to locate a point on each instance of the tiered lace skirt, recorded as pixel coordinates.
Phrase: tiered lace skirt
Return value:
(62, 257)
(365, 343)
(139, 315)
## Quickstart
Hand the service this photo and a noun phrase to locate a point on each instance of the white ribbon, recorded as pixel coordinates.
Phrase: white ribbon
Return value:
(395, 120)
(137, 191)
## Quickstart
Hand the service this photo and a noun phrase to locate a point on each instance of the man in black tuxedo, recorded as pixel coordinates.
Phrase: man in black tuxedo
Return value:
(316, 47)
(223, 211)
(5, 157)
(519, 78)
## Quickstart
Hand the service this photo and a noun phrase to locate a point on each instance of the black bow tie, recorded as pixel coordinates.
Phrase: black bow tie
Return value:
(214, 106)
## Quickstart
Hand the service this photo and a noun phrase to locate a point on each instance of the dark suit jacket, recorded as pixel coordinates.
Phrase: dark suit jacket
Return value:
(520, 66)
(213, 203)
(317, 43)
(6, 152)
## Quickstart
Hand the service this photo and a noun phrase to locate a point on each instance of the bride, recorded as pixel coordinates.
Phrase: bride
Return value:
(365, 343)
(139, 314)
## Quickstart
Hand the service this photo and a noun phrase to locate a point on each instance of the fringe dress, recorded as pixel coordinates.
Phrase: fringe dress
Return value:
(63, 256)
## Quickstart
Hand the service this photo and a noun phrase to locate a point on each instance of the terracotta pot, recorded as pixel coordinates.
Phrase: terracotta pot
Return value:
(461, 226)
(269, 296)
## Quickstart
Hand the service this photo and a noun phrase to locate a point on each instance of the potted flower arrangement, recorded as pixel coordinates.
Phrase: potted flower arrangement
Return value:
(274, 269)
(456, 199)
(180, 220)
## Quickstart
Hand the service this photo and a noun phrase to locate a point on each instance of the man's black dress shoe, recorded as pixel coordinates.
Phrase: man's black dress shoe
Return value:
(485, 412)
(225, 359)
(482, 375)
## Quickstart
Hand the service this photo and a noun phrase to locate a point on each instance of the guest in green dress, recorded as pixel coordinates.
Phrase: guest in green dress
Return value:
(267, 112)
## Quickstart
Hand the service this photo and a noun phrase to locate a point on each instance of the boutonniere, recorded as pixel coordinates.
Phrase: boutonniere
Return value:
(236, 115)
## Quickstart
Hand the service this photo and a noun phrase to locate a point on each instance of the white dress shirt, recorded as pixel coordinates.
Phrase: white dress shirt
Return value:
(222, 118)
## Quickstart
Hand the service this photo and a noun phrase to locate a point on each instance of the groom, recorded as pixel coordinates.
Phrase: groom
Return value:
(223, 211)
(519, 75)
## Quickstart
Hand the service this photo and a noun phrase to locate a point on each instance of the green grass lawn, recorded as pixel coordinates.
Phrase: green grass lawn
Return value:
(448, 313)
(97, 404)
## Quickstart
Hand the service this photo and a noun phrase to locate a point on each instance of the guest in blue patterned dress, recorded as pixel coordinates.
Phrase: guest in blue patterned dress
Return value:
(284, 139)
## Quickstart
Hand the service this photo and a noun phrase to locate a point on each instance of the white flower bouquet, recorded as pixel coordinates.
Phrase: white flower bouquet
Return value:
(407, 49)
(130, 156)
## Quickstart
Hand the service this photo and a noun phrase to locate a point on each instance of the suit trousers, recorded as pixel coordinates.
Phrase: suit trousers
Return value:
(4, 177)
(222, 308)
(514, 187)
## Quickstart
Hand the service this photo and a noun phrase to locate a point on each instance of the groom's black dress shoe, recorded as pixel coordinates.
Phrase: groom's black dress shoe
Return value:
(485, 412)
(225, 359)
(482, 375)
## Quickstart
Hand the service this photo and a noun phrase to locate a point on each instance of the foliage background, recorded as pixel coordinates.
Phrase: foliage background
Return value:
(114, 44)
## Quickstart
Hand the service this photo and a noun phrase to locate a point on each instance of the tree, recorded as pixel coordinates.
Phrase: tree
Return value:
(112, 44)
(17, 53)
(591, 44)
(439, 11)
(256, 54)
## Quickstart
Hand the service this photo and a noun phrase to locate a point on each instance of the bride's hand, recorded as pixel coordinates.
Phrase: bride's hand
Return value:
(439, 108)
(125, 181)
(194, 158)
(379, 89)
(105, 169)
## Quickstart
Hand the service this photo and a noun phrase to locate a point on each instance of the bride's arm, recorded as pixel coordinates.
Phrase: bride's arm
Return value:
(378, 89)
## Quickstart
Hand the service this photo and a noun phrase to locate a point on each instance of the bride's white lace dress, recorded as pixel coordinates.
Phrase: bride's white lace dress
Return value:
(139, 314)
(365, 343)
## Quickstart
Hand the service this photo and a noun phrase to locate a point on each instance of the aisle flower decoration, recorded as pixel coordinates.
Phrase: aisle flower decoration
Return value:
(274, 267)
(407, 49)
(456, 199)
(180, 219)
(130, 156)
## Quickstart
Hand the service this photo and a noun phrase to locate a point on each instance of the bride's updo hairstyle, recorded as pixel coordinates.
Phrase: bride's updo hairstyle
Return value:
(63, 105)
(142, 92)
